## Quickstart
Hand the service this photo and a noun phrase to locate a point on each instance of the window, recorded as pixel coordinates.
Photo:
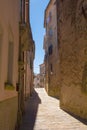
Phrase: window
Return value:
(50, 33)
(28, 58)
(10, 62)
(49, 18)
(46, 56)
(50, 50)
(51, 68)
(50, 15)
(31, 64)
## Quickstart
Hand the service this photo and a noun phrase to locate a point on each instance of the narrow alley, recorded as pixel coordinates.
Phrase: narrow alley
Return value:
(42, 112)
(43, 64)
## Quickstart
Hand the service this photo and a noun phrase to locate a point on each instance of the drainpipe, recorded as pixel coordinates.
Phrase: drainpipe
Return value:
(57, 20)
(25, 73)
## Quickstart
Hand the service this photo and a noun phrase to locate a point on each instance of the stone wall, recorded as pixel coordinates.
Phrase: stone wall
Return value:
(73, 56)
(52, 61)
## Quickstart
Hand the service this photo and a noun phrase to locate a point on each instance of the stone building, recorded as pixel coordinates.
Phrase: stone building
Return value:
(28, 55)
(36, 81)
(26, 58)
(42, 75)
(52, 83)
(28, 76)
(72, 22)
(16, 45)
(9, 44)
(39, 79)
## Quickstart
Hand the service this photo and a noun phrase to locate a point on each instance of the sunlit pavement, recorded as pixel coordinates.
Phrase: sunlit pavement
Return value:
(43, 113)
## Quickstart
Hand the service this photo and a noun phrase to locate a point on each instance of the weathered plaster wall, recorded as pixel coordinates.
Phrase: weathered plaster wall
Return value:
(73, 56)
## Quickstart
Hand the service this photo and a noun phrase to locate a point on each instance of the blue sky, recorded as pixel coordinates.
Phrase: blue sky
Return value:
(37, 8)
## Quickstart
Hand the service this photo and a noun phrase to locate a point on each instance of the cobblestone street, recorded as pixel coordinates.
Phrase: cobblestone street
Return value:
(43, 113)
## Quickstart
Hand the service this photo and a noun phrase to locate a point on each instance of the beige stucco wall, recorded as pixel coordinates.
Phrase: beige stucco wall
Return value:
(9, 23)
(8, 114)
(73, 57)
(9, 30)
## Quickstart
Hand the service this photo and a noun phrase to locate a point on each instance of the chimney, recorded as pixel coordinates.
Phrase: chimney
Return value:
(23, 11)
(27, 11)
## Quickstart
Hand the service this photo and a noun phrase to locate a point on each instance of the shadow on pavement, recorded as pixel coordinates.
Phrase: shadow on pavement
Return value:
(84, 121)
(31, 109)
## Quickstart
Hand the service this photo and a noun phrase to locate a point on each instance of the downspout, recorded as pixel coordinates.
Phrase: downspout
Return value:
(25, 73)
(57, 1)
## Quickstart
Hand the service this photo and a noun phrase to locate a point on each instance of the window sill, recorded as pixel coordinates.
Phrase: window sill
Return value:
(9, 86)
